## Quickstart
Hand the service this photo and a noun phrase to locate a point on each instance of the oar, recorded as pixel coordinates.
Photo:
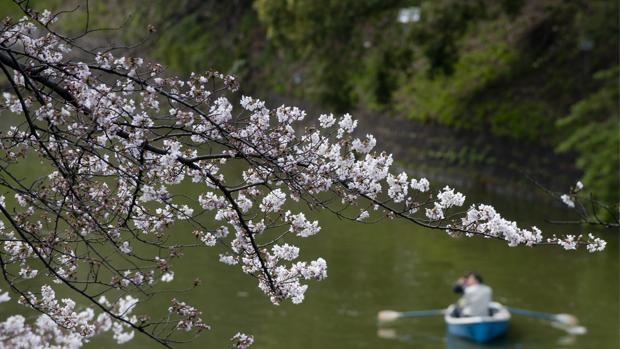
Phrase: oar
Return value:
(567, 322)
(391, 315)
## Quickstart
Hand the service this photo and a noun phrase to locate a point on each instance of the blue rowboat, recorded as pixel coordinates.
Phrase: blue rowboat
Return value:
(480, 329)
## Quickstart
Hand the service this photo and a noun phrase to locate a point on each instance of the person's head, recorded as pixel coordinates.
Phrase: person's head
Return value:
(473, 278)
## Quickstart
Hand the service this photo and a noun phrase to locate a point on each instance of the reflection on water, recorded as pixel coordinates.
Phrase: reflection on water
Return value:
(453, 342)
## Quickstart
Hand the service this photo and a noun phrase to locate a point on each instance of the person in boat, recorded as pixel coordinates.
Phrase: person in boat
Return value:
(475, 296)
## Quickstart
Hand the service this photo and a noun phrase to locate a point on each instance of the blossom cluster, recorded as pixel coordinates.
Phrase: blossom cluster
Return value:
(191, 317)
(242, 341)
(61, 325)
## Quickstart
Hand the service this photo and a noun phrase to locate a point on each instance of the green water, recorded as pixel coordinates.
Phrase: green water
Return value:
(395, 265)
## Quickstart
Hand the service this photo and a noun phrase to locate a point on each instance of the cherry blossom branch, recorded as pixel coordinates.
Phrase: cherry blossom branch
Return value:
(116, 137)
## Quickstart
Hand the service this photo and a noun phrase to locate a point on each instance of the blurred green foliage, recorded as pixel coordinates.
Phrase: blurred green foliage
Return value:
(330, 37)
(591, 129)
(538, 71)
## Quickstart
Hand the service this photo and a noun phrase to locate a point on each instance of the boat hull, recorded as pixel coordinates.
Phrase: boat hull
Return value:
(480, 329)
(481, 332)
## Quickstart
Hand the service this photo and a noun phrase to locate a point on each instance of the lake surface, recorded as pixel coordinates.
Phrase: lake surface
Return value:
(396, 265)
(399, 266)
